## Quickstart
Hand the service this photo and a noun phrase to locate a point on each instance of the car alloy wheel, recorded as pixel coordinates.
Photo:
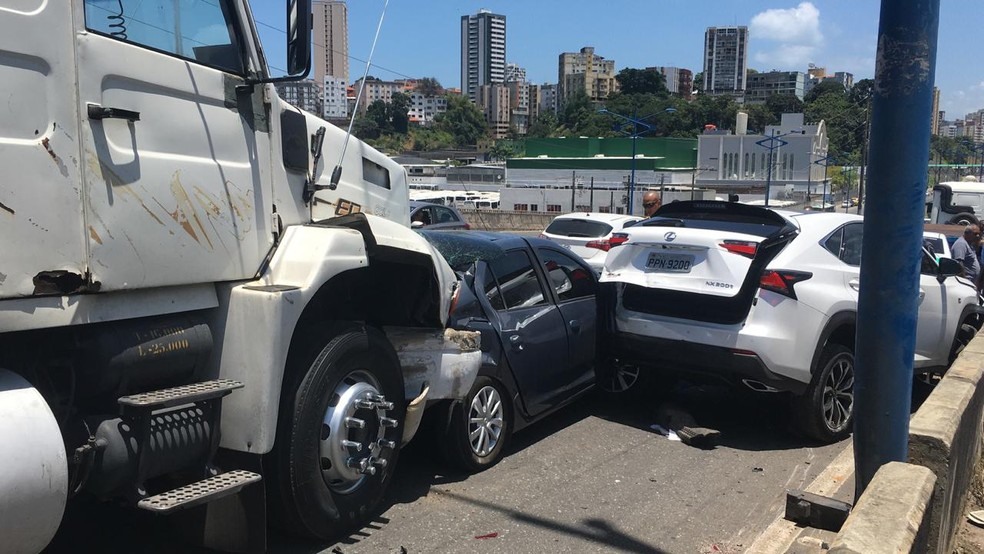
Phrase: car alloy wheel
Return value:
(620, 377)
(485, 422)
(838, 394)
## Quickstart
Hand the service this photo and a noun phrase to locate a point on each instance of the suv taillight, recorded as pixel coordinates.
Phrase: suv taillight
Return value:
(617, 239)
(741, 247)
(782, 281)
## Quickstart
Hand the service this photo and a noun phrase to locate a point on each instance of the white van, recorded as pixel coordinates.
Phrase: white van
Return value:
(957, 202)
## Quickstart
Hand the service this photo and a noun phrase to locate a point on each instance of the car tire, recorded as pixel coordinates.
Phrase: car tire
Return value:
(620, 379)
(348, 377)
(477, 429)
(964, 335)
(826, 411)
(963, 218)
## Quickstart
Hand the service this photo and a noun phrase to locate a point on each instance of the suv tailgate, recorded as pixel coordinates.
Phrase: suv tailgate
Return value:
(697, 260)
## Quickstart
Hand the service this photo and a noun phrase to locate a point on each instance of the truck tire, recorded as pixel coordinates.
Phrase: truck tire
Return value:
(826, 411)
(963, 218)
(338, 436)
(478, 427)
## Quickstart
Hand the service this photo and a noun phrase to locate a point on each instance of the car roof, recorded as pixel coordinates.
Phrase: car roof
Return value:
(598, 216)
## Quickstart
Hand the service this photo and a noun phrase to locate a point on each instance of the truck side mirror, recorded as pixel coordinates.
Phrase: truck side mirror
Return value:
(948, 268)
(298, 37)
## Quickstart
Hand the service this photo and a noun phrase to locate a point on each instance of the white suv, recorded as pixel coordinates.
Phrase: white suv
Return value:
(766, 299)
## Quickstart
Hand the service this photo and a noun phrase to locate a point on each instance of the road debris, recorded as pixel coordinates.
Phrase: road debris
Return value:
(488, 536)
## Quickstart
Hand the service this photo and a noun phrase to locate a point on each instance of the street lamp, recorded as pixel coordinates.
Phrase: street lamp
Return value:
(636, 133)
(771, 143)
(824, 161)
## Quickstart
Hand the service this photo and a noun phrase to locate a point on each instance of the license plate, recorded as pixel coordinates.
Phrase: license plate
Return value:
(671, 263)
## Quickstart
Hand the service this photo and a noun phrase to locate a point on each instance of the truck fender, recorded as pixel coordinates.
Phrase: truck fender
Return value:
(256, 321)
(259, 319)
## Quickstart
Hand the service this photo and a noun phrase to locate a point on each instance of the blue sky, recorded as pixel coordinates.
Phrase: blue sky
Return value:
(421, 38)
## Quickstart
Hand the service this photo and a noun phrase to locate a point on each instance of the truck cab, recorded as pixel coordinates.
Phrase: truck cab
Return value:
(957, 202)
(205, 291)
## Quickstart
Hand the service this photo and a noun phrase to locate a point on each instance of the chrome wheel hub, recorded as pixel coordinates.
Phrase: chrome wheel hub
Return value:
(485, 421)
(353, 432)
(838, 394)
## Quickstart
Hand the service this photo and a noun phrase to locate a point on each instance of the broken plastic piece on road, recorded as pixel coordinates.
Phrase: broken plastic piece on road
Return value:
(489, 536)
(976, 517)
(665, 432)
(757, 469)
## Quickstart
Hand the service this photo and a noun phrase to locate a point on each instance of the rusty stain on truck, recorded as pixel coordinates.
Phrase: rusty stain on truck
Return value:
(61, 165)
(95, 236)
(180, 215)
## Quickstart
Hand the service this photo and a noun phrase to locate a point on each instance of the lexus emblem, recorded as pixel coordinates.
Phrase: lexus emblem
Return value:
(670, 237)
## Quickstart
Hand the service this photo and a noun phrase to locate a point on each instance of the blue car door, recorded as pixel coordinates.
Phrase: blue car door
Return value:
(575, 288)
(530, 326)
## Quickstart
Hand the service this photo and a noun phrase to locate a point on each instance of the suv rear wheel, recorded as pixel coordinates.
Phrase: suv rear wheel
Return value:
(826, 411)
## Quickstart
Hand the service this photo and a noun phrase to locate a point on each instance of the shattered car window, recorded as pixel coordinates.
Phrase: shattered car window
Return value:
(462, 249)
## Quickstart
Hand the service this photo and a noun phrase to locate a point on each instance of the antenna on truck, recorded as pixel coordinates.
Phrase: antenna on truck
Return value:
(336, 175)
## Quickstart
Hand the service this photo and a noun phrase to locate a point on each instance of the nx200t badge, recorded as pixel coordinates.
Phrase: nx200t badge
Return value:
(670, 237)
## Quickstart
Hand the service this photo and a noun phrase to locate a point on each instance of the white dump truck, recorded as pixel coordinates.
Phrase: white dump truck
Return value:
(956, 202)
(211, 302)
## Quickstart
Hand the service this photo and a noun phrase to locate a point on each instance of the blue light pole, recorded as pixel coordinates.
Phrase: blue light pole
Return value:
(888, 298)
(636, 133)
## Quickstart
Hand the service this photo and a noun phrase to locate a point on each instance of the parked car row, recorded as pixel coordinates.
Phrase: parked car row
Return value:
(720, 291)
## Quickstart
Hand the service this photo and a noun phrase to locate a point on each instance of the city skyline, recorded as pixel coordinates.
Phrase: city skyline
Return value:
(783, 36)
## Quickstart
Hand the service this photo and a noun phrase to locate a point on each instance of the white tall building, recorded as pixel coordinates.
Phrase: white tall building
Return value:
(330, 33)
(483, 51)
(424, 108)
(335, 100)
(306, 94)
(725, 60)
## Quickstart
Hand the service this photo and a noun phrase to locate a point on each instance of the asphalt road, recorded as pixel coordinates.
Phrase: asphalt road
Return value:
(594, 477)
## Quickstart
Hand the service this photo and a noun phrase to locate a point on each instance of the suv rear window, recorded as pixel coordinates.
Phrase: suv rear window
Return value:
(578, 228)
(718, 216)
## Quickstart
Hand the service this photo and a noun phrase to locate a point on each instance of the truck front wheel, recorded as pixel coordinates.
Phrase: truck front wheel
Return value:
(338, 437)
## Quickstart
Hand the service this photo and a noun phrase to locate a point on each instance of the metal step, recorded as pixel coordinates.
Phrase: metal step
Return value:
(201, 492)
(185, 394)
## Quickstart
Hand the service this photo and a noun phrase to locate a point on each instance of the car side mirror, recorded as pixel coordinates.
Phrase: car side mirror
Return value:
(948, 268)
(416, 224)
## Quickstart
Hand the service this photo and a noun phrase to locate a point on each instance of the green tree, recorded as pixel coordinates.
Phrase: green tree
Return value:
(429, 86)
(426, 139)
(778, 104)
(642, 81)
(543, 126)
(462, 120)
(398, 113)
(824, 87)
(699, 82)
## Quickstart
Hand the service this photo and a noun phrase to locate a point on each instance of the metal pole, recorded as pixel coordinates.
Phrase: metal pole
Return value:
(768, 178)
(893, 226)
(592, 194)
(809, 176)
(635, 138)
(573, 181)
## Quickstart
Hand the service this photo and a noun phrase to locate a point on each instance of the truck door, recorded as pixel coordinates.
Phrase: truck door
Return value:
(41, 225)
(173, 157)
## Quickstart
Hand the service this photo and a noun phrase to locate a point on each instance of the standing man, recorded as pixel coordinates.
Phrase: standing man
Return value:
(651, 202)
(965, 251)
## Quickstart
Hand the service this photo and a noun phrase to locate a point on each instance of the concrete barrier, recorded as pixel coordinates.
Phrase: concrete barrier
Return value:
(891, 515)
(501, 220)
(944, 438)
